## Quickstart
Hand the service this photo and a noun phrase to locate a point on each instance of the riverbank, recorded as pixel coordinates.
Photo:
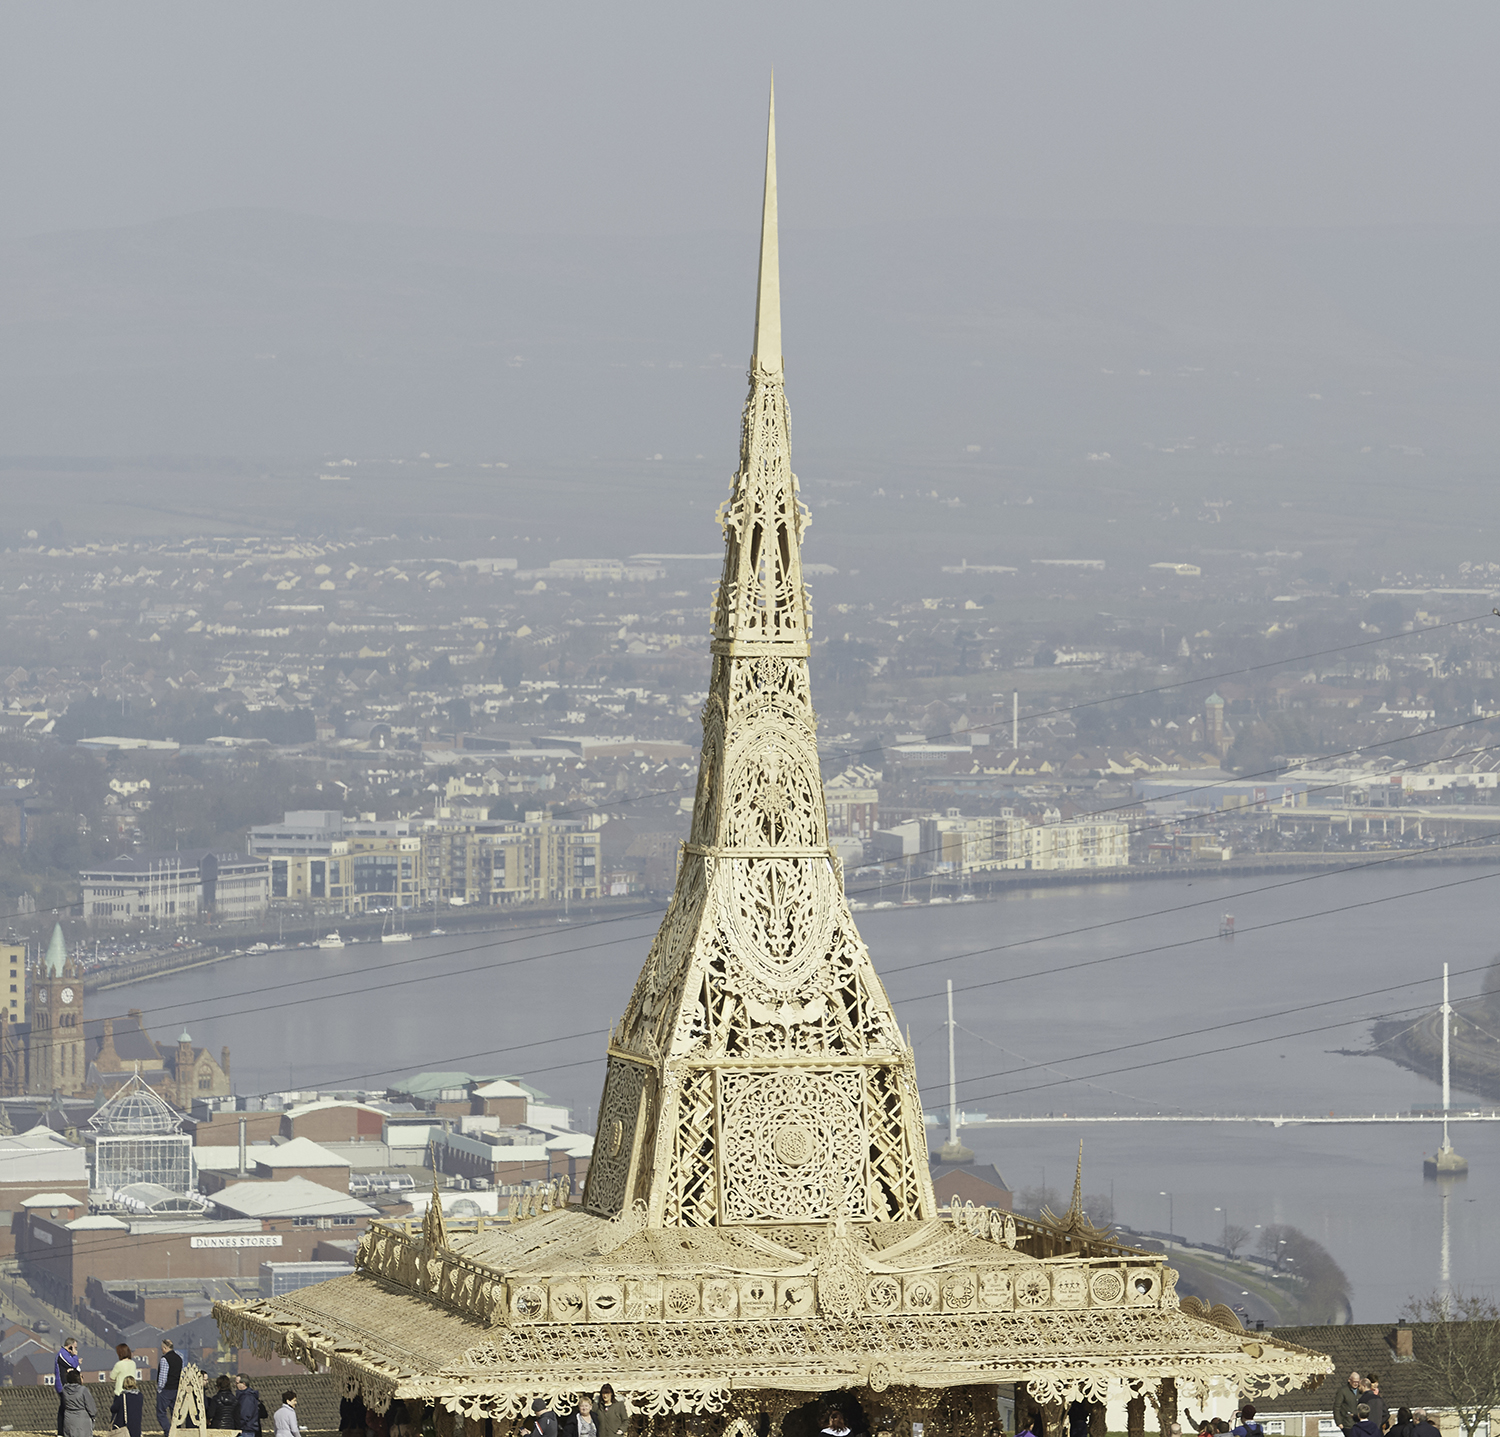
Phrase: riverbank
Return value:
(305, 931)
(865, 889)
(1473, 1045)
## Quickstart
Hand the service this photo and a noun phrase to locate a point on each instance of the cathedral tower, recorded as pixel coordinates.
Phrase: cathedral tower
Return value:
(57, 1061)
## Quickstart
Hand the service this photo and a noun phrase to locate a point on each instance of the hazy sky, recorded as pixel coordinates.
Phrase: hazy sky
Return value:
(643, 118)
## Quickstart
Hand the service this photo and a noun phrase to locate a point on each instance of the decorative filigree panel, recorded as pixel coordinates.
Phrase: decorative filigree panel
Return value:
(794, 1146)
(691, 1187)
(773, 796)
(778, 915)
(614, 1142)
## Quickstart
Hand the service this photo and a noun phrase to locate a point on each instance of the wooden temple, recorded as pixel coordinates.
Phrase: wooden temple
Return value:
(759, 1225)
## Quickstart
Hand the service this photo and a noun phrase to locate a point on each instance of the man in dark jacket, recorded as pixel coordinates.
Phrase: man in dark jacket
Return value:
(1345, 1400)
(251, 1410)
(1374, 1401)
(168, 1379)
(1422, 1424)
(543, 1419)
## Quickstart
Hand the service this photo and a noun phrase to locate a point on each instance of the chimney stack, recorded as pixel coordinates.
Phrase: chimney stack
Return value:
(1403, 1343)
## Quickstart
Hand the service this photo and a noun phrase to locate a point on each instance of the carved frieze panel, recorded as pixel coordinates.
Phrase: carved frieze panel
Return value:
(794, 1145)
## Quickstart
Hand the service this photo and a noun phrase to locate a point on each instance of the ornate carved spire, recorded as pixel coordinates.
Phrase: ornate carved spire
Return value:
(761, 605)
(434, 1226)
(1073, 1223)
(758, 1075)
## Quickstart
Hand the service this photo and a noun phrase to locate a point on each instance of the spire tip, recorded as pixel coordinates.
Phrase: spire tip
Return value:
(767, 351)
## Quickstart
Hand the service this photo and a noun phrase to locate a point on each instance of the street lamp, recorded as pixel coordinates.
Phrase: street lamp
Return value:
(1171, 1221)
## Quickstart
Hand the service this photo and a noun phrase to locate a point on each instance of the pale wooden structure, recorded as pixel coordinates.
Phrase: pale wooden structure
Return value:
(759, 1223)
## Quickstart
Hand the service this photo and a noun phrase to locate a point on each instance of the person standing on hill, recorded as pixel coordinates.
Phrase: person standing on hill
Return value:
(543, 1419)
(66, 1361)
(223, 1408)
(124, 1367)
(168, 1378)
(1375, 1402)
(252, 1409)
(79, 1409)
(286, 1416)
(611, 1415)
(131, 1407)
(1345, 1400)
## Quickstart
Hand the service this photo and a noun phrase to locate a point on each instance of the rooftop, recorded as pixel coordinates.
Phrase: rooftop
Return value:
(136, 1109)
(290, 1197)
(296, 1153)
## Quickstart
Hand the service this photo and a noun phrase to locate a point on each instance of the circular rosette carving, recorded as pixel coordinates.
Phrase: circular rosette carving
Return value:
(528, 1303)
(773, 795)
(1033, 1287)
(679, 1300)
(795, 1148)
(720, 1297)
(883, 1295)
(1106, 1287)
(778, 915)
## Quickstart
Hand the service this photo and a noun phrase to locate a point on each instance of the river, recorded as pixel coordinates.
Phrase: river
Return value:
(1124, 984)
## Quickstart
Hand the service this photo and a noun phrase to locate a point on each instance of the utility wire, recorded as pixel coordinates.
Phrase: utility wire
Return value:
(1211, 937)
(1212, 1028)
(657, 909)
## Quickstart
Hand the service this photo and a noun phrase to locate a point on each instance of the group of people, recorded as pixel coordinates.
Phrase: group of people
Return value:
(235, 1406)
(604, 1416)
(77, 1412)
(232, 1406)
(1360, 1411)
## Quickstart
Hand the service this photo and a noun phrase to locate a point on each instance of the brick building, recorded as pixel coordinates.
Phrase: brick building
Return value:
(262, 1221)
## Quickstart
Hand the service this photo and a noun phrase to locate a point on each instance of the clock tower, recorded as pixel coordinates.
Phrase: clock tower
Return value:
(57, 1059)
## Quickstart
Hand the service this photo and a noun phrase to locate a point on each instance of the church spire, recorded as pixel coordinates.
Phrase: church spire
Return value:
(767, 353)
(57, 954)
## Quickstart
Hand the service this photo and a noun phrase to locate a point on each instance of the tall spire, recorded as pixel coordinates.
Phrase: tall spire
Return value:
(767, 353)
(57, 953)
(758, 1075)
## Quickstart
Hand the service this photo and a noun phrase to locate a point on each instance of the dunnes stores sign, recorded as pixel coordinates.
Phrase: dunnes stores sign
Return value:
(248, 1239)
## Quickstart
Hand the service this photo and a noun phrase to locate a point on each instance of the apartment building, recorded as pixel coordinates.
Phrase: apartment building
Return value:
(469, 858)
(176, 888)
(1007, 841)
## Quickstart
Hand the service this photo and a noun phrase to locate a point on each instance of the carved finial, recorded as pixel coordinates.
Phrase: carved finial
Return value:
(1073, 1222)
(434, 1228)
